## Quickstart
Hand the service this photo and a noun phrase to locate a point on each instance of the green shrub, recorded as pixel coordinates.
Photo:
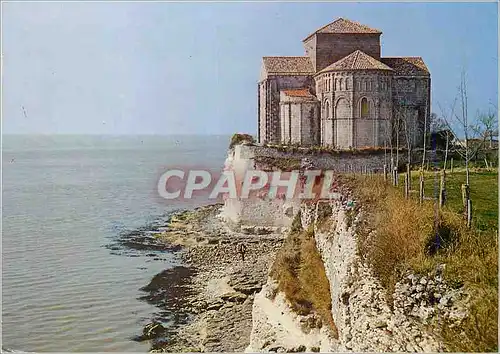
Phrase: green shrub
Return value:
(237, 139)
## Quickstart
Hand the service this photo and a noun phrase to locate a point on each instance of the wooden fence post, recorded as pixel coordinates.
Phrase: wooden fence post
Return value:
(469, 213)
(442, 189)
(408, 171)
(464, 195)
(395, 176)
(467, 204)
(421, 188)
(407, 185)
(451, 170)
(385, 173)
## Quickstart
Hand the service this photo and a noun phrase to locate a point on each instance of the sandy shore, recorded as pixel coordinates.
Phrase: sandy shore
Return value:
(213, 292)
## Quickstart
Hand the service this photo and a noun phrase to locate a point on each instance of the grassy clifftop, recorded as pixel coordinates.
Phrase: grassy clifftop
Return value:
(418, 237)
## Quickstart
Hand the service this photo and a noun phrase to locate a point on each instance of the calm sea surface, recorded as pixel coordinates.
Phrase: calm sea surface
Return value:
(65, 200)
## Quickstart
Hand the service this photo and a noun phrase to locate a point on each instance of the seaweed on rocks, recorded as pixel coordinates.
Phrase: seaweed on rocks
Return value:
(143, 240)
(170, 291)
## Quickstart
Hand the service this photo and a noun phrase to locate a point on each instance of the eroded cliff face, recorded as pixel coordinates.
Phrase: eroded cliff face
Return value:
(277, 328)
(359, 307)
(364, 320)
(254, 214)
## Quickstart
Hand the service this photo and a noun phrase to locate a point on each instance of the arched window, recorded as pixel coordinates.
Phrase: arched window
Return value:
(364, 108)
(358, 82)
(347, 84)
(327, 109)
(340, 84)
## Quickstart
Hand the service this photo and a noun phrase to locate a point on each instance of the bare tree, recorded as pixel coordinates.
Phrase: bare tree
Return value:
(440, 130)
(461, 119)
(436, 124)
(412, 129)
(389, 142)
(408, 130)
(461, 126)
(424, 145)
(486, 126)
(398, 130)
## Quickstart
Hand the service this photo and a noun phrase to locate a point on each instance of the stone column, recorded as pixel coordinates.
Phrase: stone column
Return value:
(376, 122)
(352, 120)
(268, 112)
(301, 132)
(258, 112)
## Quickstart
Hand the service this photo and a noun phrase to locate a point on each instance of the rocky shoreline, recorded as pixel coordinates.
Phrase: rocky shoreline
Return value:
(212, 293)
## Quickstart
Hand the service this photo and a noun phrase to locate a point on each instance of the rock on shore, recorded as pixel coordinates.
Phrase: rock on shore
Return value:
(222, 285)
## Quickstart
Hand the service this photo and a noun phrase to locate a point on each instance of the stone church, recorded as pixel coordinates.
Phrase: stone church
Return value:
(342, 93)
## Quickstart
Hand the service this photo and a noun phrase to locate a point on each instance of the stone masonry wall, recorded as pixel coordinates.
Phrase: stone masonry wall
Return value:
(411, 101)
(299, 118)
(327, 161)
(333, 47)
(341, 95)
(310, 49)
(310, 116)
(269, 103)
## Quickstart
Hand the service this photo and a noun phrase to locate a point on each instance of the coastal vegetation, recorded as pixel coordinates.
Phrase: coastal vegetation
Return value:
(321, 149)
(300, 273)
(285, 164)
(418, 237)
(239, 138)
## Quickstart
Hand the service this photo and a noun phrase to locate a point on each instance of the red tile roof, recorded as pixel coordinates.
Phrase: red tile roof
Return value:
(342, 25)
(356, 61)
(288, 65)
(407, 66)
(299, 93)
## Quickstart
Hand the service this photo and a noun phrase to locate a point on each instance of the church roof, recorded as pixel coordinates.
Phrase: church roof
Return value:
(303, 92)
(288, 65)
(407, 66)
(342, 25)
(356, 61)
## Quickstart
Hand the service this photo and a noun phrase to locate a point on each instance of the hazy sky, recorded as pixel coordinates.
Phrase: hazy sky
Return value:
(176, 68)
